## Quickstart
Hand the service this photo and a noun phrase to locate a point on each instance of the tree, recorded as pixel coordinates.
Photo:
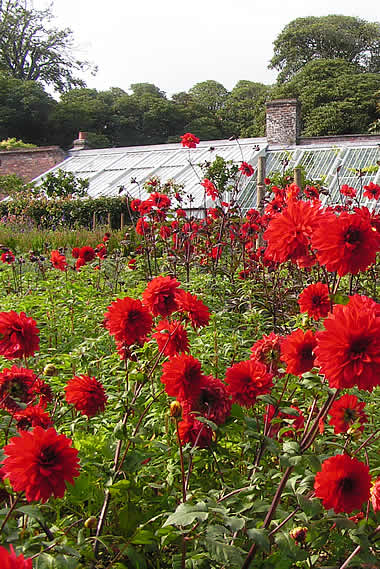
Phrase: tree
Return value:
(32, 50)
(209, 94)
(328, 37)
(335, 97)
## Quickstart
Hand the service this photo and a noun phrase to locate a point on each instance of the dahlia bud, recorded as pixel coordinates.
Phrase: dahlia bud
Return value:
(50, 370)
(175, 409)
(91, 523)
(298, 534)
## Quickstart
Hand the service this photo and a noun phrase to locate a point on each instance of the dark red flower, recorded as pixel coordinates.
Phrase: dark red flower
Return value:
(33, 416)
(42, 390)
(213, 403)
(86, 394)
(311, 192)
(343, 484)
(194, 432)
(267, 351)
(80, 263)
(372, 191)
(182, 377)
(189, 140)
(297, 351)
(160, 201)
(58, 261)
(171, 337)
(18, 335)
(267, 181)
(15, 387)
(142, 226)
(39, 462)
(347, 191)
(160, 296)
(101, 251)
(288, 234)
(132, 264)
(9, 559)
(165, 231)
(315, 300)
(345, 412)
(87, 253)
(246, 380)
(8, 257)
(128, 321)
(346, 244)
(197, 312)
(210, 189)
(348, 349)
(106, 236)
(246, 169)
(75, 252)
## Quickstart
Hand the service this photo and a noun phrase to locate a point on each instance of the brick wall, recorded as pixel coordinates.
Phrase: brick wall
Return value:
(283, 121)
(28, 163)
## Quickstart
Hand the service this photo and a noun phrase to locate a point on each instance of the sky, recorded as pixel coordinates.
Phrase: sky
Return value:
(178, 43)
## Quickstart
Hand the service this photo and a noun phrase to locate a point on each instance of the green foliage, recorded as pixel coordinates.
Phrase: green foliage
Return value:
(61, 184)
(14, 144)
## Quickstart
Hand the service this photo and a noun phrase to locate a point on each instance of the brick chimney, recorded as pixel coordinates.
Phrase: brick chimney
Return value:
(283, 121)
(81, 142)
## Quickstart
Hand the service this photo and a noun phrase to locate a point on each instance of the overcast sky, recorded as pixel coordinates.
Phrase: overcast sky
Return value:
(177, 43)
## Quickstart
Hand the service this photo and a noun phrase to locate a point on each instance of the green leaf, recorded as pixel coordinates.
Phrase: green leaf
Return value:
(260, 538)
(187, 514)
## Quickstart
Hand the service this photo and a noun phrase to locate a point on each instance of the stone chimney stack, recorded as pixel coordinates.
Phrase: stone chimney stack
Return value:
(81, 142)
(283, 121)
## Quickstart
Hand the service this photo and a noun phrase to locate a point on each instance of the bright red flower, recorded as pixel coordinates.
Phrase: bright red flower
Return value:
(80, 263)
(33, 416)
(75, 252)
(194, 432)
(171, 337)
(15, 387)
(132, 264)
(86, 394)
(213, 403)
(297, 351)
(160, 201)
(296, 422)
(375, 495)
(210, 189)
(39, 462)
(288, 234)
(346, 244)
(311, 192)
(348, 349)
(101, 251)
(165, 231)
(142, 226)
(345, 412)
(9, 560)
(267, 351)
(128, 321)
(343, 484)
(8, 257)
(189, 140)
(246, 169)
(135, 204)
(106, 236)
(58, 261)
(42, 390)
(246, 380)
(197, 312)
(18, 335)
(182, 377)
(372, 191)
(160, 296)
(180, 212)
(267, 181)
(87, 253)
(315, 300)
(347, 191)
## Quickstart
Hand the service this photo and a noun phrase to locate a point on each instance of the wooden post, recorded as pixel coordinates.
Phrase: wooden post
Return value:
(298, 177)
(109, 219)
(93, 220)
(122, 220)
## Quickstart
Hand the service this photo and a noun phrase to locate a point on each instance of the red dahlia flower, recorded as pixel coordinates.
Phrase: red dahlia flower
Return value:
(8, 257)
(213, 403)
(267, 351)
(33, 416)
(75, 252)
(246, 380)
(39, 462)
(182, 377)
(343, 484)
(135, 204)
(18, 335)
(347, 191)
(189, 140)
(197, 312)
(348, 349)
(210, 189)
(346, 244)
(372, 191)
(194, 432)
(160, 296)
(246, 169)
(87, 253)
(15, 387)
(289, 233)
(101, 251)
(142, 226)
(345, 412)
(86, 394)
(58, 261)
(160, 201)
(297, 351)
(171, 337)
(315, 300)
(128, 321)
(9, 559)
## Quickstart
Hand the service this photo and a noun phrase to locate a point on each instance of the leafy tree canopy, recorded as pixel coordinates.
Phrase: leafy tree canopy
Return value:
(326, 37)
(32, 49)
(209, 94)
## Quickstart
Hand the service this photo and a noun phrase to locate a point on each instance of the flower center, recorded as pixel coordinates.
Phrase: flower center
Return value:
(316, 300)
(349, 415)
(353, 236)
(133, 315)
(358, 347)
(346, 485)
